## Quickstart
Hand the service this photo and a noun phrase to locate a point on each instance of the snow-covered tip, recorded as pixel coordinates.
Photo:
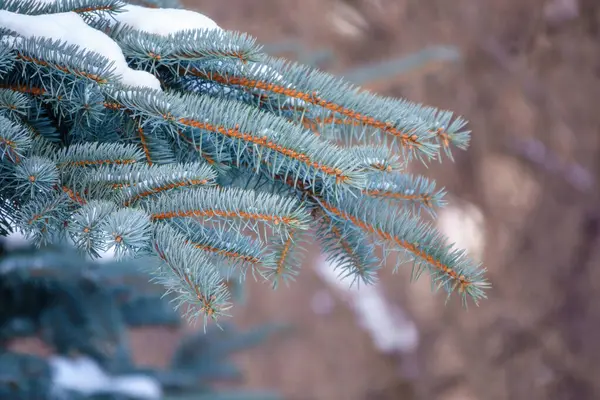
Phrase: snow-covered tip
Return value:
(163, 21)
(70, 28)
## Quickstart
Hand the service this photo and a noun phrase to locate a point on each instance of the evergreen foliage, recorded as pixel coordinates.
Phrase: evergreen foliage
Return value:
(82, 311)
(229, 166)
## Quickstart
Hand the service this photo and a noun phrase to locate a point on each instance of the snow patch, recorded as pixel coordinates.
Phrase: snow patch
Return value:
(85, 376)
(72, 29)
(163, 21)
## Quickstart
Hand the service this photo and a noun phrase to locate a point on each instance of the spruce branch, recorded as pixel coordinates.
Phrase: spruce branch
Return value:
(42, 219)
(182, 50)
(407, 125)
(13, 105)
(286, 147)
(429, 251)
(52, 58)
(237, 207)
(152, 181)
(232, 247)
(102, 8)
(416, 191)
(188, 273)
(40, 127)
(85, 227)
(195, 146)
(14, 141)
(288, 256)
(348, 250)
(377, 159)
(36, 175)
(7, 59)
(98, 154)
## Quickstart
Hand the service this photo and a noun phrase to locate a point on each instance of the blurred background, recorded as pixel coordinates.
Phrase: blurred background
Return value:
(524, 199)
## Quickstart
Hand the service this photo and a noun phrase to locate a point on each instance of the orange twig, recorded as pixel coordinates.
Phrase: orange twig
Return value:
(412, 248)
(64, 69)
(73, 195)
(284, 254)
(407, 139)
(229, 254)
(424, 198)
(85, 163)
(144, 144)
(265, 142)
(225, 214)
(189, 182)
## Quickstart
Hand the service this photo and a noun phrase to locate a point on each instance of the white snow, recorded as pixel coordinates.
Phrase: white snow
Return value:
(71, 29)
(85, 376)
(159, 21)
(163, 21)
